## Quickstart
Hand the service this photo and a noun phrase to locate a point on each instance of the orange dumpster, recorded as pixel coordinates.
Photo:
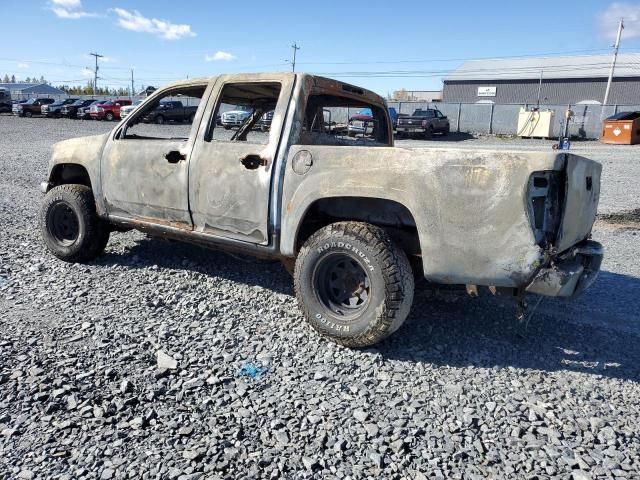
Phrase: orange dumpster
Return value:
(622, 129)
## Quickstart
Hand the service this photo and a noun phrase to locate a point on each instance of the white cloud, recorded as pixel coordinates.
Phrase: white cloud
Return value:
(611, 16)
(23, 66)
(220, 56)
(68, 3)
(136, 22)
(87, 73)
(69, 9)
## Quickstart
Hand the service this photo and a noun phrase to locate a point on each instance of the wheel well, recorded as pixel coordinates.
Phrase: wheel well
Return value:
(394, 217)
(69, 173)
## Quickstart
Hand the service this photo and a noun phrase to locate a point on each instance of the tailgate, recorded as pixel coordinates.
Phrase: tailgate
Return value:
(581, 201)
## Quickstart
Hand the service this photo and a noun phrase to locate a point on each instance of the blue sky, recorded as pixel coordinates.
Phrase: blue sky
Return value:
(367, 43)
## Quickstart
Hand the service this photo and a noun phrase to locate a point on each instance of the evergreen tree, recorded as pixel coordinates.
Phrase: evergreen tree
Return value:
(13, 79)
(6, 78)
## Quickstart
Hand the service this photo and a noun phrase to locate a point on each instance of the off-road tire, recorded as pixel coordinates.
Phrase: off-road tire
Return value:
(93, 232)
(390, 278)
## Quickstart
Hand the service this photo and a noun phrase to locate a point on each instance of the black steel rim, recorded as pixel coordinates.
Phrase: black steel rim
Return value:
(342, 285)
(63, 224)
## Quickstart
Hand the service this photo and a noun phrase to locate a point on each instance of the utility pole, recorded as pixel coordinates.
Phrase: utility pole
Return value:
(95, 73)
(133, 92)
(616, 47)
(293, 63)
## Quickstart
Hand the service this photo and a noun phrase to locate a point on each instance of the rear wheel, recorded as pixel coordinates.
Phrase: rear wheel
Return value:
(28, 114)
(70, 226)
(354, 285)
(159, 120)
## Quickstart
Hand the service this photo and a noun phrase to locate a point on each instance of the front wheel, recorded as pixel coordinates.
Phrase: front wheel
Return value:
(70, 226)
(428, 133)
(109, 116)
(353, 284)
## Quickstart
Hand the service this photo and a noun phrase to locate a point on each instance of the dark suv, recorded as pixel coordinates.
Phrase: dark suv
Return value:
(54, 110)
(71, 110)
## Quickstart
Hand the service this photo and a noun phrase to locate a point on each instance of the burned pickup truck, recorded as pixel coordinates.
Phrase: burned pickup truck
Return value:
(356, 220)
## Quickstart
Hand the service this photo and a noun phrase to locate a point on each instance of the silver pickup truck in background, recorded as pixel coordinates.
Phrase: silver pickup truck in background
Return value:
(354, 219)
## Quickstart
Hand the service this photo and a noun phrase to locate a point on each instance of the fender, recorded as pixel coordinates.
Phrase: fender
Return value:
(85, 152)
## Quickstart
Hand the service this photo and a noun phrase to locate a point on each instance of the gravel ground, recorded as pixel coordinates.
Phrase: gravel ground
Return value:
(242, 388)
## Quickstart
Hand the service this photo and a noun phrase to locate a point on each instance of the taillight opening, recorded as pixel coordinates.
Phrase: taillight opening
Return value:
(546, 192)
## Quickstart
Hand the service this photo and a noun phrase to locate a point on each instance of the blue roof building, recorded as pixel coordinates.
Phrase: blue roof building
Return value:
(31, 89)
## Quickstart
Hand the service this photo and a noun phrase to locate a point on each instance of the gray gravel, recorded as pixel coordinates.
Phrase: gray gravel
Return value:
(166, 361)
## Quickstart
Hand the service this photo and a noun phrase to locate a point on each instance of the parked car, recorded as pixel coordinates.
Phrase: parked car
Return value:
(264, 124)
(361, 123)
(359, 220)
(127, 109)
(425, 121)
(31, 107)
(235, 117)
(108, 110)
(170, 111)
(84, 113)
(71, 109)
(54, 110)
(5, 100)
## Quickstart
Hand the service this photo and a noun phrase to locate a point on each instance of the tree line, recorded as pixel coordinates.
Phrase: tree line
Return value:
(88, 90)
(12, 79)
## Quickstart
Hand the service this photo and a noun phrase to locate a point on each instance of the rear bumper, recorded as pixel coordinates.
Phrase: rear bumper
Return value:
(571, 273)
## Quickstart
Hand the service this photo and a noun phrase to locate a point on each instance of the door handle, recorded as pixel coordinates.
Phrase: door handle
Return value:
(174, 156)
(252, 162)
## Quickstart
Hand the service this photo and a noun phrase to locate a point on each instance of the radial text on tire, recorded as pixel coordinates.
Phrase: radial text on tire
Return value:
(353, 284)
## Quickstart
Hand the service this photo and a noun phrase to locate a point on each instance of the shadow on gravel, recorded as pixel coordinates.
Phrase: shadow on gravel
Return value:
(452, 137)
(598, 333)
(183, 256)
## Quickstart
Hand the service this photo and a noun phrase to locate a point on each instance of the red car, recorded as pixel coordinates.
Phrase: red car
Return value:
(108, 110)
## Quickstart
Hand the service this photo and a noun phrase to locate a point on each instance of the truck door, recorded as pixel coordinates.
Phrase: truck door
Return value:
(144, 171)
(230, 170)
